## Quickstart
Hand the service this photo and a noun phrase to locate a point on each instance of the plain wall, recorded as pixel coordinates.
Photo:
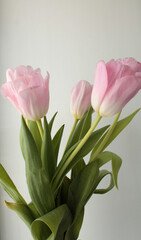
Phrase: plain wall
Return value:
(68, 38)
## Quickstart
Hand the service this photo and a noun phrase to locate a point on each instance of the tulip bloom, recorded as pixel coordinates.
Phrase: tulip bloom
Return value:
(80, 99)
(116, 82)
(28, 91)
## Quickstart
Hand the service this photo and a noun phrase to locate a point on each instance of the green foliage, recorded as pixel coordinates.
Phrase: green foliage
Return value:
(86, 123)
(117, 130)
(77, 168)
(52, 225)
(116, 162)
(82, 187)
(36, 135)
(81, 129)
(33, 210)
(37, 181)
(7, 184)
(102, 174)
(57, 140)
(23, 212)
(64, 158)
(88, 146)
(47, 152)
(52, 121)
(74, 229)
(62, 194)
(57, 208)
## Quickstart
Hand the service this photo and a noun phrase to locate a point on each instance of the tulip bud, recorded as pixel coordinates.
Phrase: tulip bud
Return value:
(80, 99)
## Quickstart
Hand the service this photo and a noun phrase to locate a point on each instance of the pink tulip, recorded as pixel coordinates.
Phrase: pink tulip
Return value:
(80, 99)
(28, 91)
(116, 82)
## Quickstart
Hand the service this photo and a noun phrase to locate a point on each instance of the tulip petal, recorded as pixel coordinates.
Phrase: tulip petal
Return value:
(34, 102)
(132, 63)
(46, 80)
(116, 70)
(80, 99)
(119, 95)
(100, 85)
(22, 70)
(9, 74)
(8, 92)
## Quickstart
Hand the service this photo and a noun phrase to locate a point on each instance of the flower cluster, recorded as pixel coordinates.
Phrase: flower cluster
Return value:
(115, 83)
(57, 204)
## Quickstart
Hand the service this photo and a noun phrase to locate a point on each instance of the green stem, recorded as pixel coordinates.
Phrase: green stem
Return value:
(39, 124)
(59, 176)
(103, 143)
(72, 131)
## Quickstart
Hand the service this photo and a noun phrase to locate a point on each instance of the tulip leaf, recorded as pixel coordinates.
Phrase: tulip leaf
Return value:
(37, 181)
(57, 140)
(7, 184)
(65, 156)
(21, 142)
(29, 148)
(52, 225)
(62, 195)
(61, 163)
(81, 129)
(36, 134)
(33, 210)
(77, 168)
(85, 127)
(91, 142)
(74, 229)
(118, 128)
(40, 191)
(116, 162)
(102, 174)
(82, 187)
(52, 121)
(23, 212)
(87, 123)
(88, 146)
(64, 189)
(47, 152)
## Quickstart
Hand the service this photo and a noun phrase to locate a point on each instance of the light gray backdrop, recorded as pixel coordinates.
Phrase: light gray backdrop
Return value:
(68, 38)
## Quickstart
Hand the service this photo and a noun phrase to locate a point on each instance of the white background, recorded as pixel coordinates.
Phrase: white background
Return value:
(68, 38)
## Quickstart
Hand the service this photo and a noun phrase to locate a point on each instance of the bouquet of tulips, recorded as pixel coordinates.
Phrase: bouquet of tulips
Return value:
(57, 204)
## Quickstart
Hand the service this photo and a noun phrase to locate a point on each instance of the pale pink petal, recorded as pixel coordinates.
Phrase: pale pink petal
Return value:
(114, 70)
(23, 70)
(132, 63)
(80, 99)
(38, 70)
(100, 85)
(34, 102)
(46, 80)
(138, 75)
(34, 79)
(8, 92)
(9, 74)
(117, 97)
